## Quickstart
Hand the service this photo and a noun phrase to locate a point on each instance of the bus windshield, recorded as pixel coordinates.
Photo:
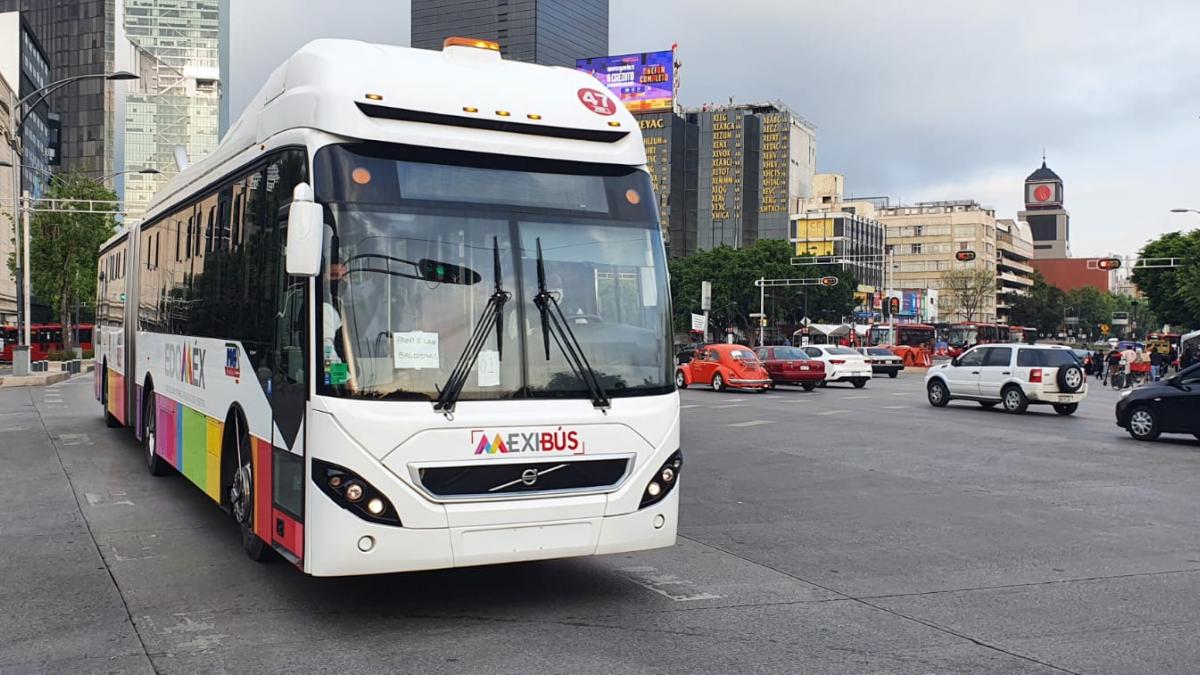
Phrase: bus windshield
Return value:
(414, 241)
(963, 336)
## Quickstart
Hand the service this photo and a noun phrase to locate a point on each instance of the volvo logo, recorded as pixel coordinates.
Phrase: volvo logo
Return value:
(529, 476)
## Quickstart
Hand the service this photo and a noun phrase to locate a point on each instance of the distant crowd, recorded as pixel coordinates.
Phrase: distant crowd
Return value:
(1131, 365)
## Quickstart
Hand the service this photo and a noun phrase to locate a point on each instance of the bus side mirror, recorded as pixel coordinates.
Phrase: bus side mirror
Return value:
(304, 232)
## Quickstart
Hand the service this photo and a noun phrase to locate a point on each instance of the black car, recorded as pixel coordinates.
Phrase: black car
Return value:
(1167, 406)
(686, 352)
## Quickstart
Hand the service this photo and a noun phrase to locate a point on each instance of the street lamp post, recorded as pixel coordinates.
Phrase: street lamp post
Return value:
(25, 108)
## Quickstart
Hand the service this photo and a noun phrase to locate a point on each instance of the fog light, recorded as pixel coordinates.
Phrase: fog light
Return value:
(375, 506)
(654, 489)
(354, 492)
(366, 543)
(668, 474)
(659, 521)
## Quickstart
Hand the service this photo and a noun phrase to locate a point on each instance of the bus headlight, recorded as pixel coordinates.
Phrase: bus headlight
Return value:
(664, 480)
(349, 491)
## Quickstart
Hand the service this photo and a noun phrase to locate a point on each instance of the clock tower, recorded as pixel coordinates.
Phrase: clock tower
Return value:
(1048, 221)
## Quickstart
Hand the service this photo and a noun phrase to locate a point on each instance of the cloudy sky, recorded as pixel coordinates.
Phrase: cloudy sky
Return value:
(916, 100)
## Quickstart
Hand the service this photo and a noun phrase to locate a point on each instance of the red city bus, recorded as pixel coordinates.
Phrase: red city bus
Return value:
(912, 342)
(43, 338)
(1021, 334)
(963, 336)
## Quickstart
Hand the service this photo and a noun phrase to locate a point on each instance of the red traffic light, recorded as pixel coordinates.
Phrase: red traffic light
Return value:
(1109, 263)
(964, 256)
(829, 281)
(894, 305)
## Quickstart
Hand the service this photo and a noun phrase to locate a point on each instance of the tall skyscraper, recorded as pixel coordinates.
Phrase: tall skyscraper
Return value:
(27, 69)
(107, 127)
(78, 39)
(175, 103)
(550, 32)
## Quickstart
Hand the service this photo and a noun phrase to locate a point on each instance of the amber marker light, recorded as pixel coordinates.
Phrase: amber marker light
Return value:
(470, 109)
(614, 123)
(374, 97)
(534, 116)
(503, 113)
(471, 42)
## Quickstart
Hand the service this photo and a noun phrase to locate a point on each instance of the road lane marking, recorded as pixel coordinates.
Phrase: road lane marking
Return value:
(833, 412)
(728, 405)
(690, 405)
(901, 393)
(666, 585)
(751, 423)
(895, 407)
(74, 439)
(855, 398)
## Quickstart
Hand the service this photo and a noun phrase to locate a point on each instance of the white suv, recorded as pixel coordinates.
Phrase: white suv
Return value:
(1012, 375)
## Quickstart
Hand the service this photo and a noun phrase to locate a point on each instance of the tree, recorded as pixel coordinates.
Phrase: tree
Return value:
(1040, 308)
(734, 295)
(969, 291)
(65, 247)
(1173, 293)
(1045, 307)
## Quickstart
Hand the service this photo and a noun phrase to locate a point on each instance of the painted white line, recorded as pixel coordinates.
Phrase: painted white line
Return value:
(74, 439)
(855, 398)
(666, 585)
(728, 405)
(833, 412)
(690, 405)
(901, 393)
(751, 423)
(896, 407)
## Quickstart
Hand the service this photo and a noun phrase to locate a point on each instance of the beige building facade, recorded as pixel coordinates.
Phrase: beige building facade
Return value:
(924, 238)
(1014, 273)
(8, 233)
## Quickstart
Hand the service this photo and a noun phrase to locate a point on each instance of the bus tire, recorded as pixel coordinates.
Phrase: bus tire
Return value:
(241, 489)
(110, 420)
(154, 462)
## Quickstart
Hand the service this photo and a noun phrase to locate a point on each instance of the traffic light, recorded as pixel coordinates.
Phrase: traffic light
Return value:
(829, 281)
(763, 322)
(894, 306)
(1109, 263)
(964, 256)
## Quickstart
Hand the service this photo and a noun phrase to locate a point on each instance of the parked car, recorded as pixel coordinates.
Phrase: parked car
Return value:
(1012, 375)
(723, 365)
(687, 352)
(790, 365)
(882, 361)
(1167, 406)
(842, 364)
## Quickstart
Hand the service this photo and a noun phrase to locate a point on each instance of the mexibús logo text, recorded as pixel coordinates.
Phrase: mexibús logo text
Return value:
(558, 441)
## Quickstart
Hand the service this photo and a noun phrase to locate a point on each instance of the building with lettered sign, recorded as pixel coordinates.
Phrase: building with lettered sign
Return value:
(550, 32)
(754, 163)
(827, 225)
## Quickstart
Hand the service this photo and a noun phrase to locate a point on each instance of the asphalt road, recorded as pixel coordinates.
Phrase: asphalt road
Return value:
(837, 531)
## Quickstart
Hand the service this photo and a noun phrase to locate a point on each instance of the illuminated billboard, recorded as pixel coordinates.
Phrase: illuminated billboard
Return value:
(643, 82)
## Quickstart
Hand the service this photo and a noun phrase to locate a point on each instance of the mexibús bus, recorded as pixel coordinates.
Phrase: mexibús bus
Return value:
(406, 317)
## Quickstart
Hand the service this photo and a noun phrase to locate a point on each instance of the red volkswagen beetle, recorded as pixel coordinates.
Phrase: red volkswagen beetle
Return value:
(722, 366)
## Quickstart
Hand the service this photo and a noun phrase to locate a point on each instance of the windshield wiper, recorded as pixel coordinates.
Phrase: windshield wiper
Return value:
(552, 317)
(492, 317)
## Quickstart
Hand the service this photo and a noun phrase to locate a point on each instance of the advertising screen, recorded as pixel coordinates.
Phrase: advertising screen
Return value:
(643, 82)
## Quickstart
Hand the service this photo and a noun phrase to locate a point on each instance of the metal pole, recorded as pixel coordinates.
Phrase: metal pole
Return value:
(25, 271)
(15, 143)
(762, 312)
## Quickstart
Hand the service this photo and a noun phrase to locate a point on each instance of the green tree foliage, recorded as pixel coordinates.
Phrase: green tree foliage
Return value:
(1040, 308)
(65, 247)
(1173, 293)
(734, 295)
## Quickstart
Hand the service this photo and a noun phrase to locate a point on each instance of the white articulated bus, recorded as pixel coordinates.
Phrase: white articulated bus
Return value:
(412, 313)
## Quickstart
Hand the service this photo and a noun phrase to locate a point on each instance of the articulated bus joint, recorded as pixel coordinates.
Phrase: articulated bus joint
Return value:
(349, 491)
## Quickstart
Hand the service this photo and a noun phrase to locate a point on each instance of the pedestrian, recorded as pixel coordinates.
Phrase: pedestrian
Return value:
(1114, 363)
(1156, 363)
(1173, 359)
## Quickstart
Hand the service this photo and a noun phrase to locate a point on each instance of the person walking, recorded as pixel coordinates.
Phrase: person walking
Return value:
(1156, 363)
(1114, 364)
(1173, 359)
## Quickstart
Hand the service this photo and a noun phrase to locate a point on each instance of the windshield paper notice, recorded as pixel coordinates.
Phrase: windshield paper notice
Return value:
(415, 350)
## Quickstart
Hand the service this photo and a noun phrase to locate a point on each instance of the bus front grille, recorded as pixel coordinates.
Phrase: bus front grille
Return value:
(515, 479)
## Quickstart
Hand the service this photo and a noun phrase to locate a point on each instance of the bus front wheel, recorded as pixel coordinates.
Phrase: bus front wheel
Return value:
(154, 462)
(241, 494)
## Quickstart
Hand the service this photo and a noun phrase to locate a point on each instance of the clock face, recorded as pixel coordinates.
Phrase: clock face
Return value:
(1043, 193)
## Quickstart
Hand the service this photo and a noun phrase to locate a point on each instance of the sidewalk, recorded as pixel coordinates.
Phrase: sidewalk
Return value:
(40, 379)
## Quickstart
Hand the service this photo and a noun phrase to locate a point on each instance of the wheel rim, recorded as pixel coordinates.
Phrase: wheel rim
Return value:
(679, 381)
(1073, 378)
(241, 489)
(1012, 400)
(716, 381)
(151, 436)
(1141, 422)
(935, 393)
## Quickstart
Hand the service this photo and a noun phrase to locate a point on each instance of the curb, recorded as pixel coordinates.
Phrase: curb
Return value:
(39, 380)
